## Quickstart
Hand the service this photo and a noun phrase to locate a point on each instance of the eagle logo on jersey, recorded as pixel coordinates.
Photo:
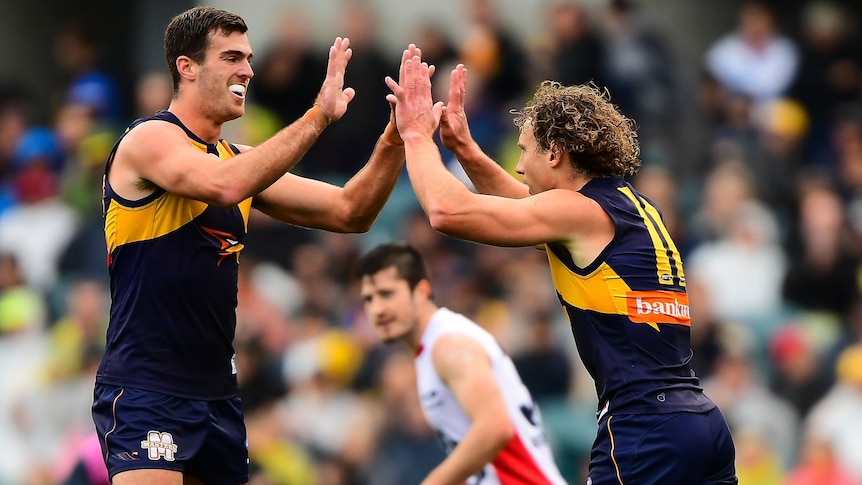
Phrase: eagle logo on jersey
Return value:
(228, 243)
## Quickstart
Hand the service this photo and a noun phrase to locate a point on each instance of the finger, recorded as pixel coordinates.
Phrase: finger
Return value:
(339, 54)
(431, 70)
(425, 78)
(457, 86)
(397, 90)
(393, 100)
(411, 51)
(437, 111)
(410, 72)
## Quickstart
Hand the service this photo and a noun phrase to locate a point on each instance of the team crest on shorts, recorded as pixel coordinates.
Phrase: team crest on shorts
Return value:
(159, 445)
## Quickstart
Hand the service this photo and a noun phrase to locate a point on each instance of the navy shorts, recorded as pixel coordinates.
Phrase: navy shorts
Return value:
(667, 449)
(141, 429)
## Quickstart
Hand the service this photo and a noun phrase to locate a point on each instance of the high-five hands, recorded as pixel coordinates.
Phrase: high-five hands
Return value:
(454, 130)
(333, 97)
(416, 113)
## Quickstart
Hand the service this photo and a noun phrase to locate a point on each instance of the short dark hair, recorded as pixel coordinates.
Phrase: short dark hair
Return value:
(188, 35)
(408, 263)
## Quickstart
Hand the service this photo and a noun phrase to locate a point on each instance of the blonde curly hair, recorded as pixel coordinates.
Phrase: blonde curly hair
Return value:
(581, 120)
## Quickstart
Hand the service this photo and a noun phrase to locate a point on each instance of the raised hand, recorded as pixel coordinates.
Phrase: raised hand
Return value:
(415, 111)
(409, 53)
(333, 97)
(454, 130)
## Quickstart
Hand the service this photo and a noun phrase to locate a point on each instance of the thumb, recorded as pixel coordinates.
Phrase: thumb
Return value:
(437, 110)
(349, 93)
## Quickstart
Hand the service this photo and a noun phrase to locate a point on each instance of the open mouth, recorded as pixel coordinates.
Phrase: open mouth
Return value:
(238, 90)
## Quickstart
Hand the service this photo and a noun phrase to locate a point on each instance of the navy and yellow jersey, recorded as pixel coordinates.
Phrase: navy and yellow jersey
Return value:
(629, 310)
(173, 266)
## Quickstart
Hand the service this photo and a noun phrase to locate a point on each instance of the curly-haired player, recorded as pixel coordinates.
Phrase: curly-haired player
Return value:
(616, 270)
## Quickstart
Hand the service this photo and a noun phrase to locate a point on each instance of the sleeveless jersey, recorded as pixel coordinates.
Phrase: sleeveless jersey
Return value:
(527, 458)
(173, 267)
(629, 310)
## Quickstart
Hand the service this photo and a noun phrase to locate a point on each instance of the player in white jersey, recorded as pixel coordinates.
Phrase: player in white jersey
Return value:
(469, 388)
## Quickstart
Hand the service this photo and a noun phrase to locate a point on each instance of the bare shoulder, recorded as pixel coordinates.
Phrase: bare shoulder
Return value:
(149, 139)
(569, 210)
(148, 155)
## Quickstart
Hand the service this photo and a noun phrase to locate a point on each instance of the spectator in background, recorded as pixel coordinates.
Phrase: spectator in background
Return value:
(739, 389)
(824, 262)
(289, 72)
(830, 71)
(321, 412)
(726, 187)
(22, 309)
(437, 46)
(77, 50)
(345, 146)
(836, 417)
(818, 464)
(493, 52)
(573, 53)
(78, 335)
(754, 59)
(742, 270)
(15, 118)
(153, 92)
(641, 73)
(798, 373)
(407, 448)
(274, 459)
(544, 366)
(38, 227)
(781, 126)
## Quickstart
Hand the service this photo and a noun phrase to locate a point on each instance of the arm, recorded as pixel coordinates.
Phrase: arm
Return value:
(487, 175)
(354, 208)
(160, 153)
(466, 369)
(554, 215)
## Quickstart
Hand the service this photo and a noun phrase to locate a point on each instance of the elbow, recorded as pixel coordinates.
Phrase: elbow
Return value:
(227, 198)
(225, 193)
(353, 223)
(505, 432)
(497, 437)
(358, 225)
(441, 218)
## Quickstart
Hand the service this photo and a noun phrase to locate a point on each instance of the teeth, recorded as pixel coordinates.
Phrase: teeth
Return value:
(237, 89)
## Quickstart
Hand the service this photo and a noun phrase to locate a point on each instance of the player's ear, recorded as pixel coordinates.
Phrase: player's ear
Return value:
(424, 288)
(555, 155)
(185, 67)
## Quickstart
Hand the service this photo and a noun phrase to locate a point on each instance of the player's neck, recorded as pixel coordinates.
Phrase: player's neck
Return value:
(189, 113)
(414, 339)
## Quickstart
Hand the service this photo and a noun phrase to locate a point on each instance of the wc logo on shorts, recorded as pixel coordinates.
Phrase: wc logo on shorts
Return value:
(159, 445)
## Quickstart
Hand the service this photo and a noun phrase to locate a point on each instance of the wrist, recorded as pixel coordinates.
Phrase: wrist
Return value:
(391, 136)
(464, 147)
(415, 137)
(317, 117)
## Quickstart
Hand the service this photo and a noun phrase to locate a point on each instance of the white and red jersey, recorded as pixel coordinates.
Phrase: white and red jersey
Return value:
(527, 458)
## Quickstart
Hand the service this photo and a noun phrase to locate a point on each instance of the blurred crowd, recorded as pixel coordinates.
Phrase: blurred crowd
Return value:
(754, 156)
